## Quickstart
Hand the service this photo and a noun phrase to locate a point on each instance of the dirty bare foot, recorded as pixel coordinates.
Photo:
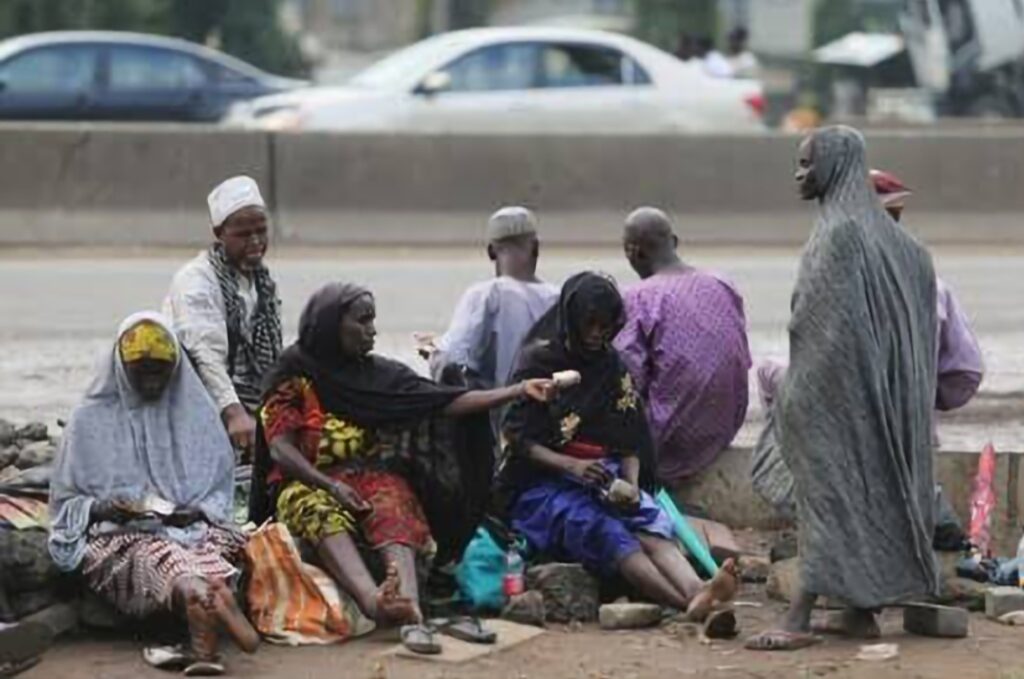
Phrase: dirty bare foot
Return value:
(719, 590)
(202, 624)
(234, 621)
(391, 607)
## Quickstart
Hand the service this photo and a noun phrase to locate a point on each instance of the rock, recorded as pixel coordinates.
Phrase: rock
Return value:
(784, 547)
(570, 593)
(526, 609)
(629, 616)
(755, 569)
(8, 455)
(929, 620)
(27, 603)
(34, 431)
(784, 580)
(36, 454)
(60, 618)
(965, 593)
(8, 433)
(25, 563)
(95, 612)
(1002, 600)
(1014, 619)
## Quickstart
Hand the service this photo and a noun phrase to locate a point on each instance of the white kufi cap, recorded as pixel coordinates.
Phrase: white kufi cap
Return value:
(232, 195)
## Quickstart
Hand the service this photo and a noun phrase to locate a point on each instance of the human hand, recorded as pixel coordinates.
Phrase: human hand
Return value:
(346, 496)
(592, 472)
(539, 389)
(426, 344)
(240, 425)
(183, 517)
(117, 511)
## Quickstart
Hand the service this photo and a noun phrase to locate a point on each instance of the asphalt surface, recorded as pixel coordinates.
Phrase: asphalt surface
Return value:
(60, 310)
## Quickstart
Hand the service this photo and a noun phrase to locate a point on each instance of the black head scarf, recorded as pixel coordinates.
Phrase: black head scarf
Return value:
(371, 391)
(610, 411)
(449, 462)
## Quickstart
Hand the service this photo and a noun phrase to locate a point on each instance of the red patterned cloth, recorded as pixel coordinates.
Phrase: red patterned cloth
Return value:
(137, 571)
(348, 454)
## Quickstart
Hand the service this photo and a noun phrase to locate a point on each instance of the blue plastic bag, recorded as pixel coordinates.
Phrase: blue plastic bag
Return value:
(479, 575)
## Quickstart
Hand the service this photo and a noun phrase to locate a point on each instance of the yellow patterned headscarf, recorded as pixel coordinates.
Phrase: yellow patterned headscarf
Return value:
(147, 339)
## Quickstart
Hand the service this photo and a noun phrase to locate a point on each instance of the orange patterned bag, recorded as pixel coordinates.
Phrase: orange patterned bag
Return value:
(295, 603)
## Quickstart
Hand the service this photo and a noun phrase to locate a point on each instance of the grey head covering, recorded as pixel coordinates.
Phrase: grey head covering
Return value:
(510, 222)
(854, 411)
(117, 446)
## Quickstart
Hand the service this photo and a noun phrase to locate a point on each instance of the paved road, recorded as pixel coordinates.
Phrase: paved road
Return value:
(60, 312)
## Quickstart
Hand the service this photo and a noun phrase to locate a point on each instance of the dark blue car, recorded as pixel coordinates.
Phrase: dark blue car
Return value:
(98, 75)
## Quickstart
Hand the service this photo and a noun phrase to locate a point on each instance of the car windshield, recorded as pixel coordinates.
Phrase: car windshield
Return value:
(394, 69)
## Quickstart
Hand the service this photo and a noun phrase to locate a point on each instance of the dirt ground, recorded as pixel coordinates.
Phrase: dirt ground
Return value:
(991, 652)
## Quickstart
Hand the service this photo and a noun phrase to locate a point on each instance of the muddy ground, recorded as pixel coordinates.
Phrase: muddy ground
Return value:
(991, 652)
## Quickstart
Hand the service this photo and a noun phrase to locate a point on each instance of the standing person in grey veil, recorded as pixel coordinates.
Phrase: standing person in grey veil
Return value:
(854, 410)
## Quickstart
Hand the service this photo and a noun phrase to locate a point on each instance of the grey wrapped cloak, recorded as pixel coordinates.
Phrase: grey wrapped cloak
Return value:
(854, 413)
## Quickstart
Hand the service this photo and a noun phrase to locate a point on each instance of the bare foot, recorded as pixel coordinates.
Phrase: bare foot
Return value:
(234, 621)
(391, 607)
(202, 624)
(719, 590)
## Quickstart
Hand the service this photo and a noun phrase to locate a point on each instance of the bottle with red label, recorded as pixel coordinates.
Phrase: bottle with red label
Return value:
(514, 581)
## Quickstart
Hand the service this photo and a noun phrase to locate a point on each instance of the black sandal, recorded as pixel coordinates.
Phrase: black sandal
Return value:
(469, 629)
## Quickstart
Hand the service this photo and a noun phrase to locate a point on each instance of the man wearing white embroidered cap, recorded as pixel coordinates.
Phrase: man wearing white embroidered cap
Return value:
(225, 308)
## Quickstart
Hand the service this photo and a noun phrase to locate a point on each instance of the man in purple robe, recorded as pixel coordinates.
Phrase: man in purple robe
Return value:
(685, 343)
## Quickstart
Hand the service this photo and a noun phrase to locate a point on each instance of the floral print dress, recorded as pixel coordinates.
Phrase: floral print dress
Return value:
(347, 453)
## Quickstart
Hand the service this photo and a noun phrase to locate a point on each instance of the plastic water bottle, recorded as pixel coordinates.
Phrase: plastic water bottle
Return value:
(514, 582)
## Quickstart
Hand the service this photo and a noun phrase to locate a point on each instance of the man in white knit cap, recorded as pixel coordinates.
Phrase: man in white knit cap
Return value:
(493, 316)
(225, 308)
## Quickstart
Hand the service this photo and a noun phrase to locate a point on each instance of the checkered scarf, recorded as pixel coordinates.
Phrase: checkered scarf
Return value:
(249, 357)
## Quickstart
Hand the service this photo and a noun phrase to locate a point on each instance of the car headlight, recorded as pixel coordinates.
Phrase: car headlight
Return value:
(280, 119)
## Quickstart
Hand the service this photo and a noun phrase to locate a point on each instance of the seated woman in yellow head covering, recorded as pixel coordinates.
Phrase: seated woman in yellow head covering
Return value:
(142, 493)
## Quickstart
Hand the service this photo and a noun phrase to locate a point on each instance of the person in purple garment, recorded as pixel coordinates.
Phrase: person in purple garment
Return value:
(685, 343)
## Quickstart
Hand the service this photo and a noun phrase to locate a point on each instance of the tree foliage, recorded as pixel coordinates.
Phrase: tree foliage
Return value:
(661, 22)
(248, 29)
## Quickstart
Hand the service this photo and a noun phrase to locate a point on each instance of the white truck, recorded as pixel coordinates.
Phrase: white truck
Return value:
(969, 54)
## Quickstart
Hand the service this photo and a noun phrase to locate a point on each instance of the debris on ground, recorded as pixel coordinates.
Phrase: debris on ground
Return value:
(878, 652)
(629, 616)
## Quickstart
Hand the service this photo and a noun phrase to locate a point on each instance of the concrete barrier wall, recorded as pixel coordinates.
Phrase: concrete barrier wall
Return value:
(100, 185)
(106, 185)
(725, 492)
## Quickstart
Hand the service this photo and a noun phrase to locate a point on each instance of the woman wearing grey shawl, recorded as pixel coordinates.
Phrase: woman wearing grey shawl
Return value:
(142, 492)
(854, 410)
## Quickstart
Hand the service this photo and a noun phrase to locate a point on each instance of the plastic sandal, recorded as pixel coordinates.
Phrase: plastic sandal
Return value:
(466, 628)
(780, 640)
(420, 639)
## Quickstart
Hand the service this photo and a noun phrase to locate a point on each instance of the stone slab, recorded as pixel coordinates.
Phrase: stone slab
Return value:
(1002, 600)
(629, 616)
(930, 620)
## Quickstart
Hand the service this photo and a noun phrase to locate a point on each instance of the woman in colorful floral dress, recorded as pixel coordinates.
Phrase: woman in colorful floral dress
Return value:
(368, 453)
